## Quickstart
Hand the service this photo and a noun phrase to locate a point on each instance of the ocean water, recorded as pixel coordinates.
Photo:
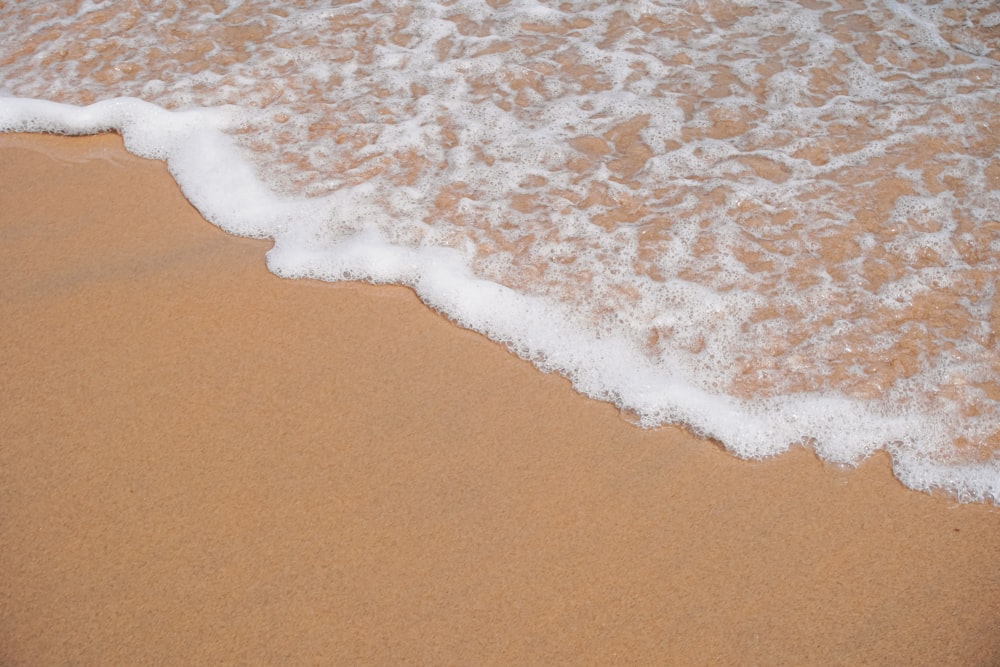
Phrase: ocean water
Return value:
(774, 222)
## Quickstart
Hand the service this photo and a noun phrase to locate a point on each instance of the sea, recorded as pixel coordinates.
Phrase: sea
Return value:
(775, 222)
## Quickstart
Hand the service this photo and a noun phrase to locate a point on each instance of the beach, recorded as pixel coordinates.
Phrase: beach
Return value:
(204, 463)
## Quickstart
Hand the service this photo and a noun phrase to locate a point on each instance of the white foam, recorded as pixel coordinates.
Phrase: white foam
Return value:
(662, 311)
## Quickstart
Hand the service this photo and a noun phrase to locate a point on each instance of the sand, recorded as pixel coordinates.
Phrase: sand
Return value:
(202, 463)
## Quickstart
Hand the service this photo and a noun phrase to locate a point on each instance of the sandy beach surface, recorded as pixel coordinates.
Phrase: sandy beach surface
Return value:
(201, 463)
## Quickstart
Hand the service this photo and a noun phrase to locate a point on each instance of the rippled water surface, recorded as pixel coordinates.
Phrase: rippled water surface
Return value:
(776, 222)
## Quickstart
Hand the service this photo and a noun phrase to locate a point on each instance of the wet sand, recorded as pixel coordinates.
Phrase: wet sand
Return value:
(202, 463)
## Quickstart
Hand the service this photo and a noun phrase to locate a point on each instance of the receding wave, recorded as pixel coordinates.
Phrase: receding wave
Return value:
(775, 222)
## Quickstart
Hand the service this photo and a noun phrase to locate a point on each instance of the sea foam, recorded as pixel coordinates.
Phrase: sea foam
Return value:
(776, 225)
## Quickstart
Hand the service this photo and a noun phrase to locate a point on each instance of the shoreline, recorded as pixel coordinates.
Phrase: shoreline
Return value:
(205, 462)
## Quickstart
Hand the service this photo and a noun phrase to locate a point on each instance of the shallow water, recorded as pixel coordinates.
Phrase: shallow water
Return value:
(774, 222)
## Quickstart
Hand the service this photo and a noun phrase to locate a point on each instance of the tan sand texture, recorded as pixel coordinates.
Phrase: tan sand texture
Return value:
(201, 463)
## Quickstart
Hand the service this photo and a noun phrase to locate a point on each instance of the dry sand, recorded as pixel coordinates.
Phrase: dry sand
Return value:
(202, 463)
